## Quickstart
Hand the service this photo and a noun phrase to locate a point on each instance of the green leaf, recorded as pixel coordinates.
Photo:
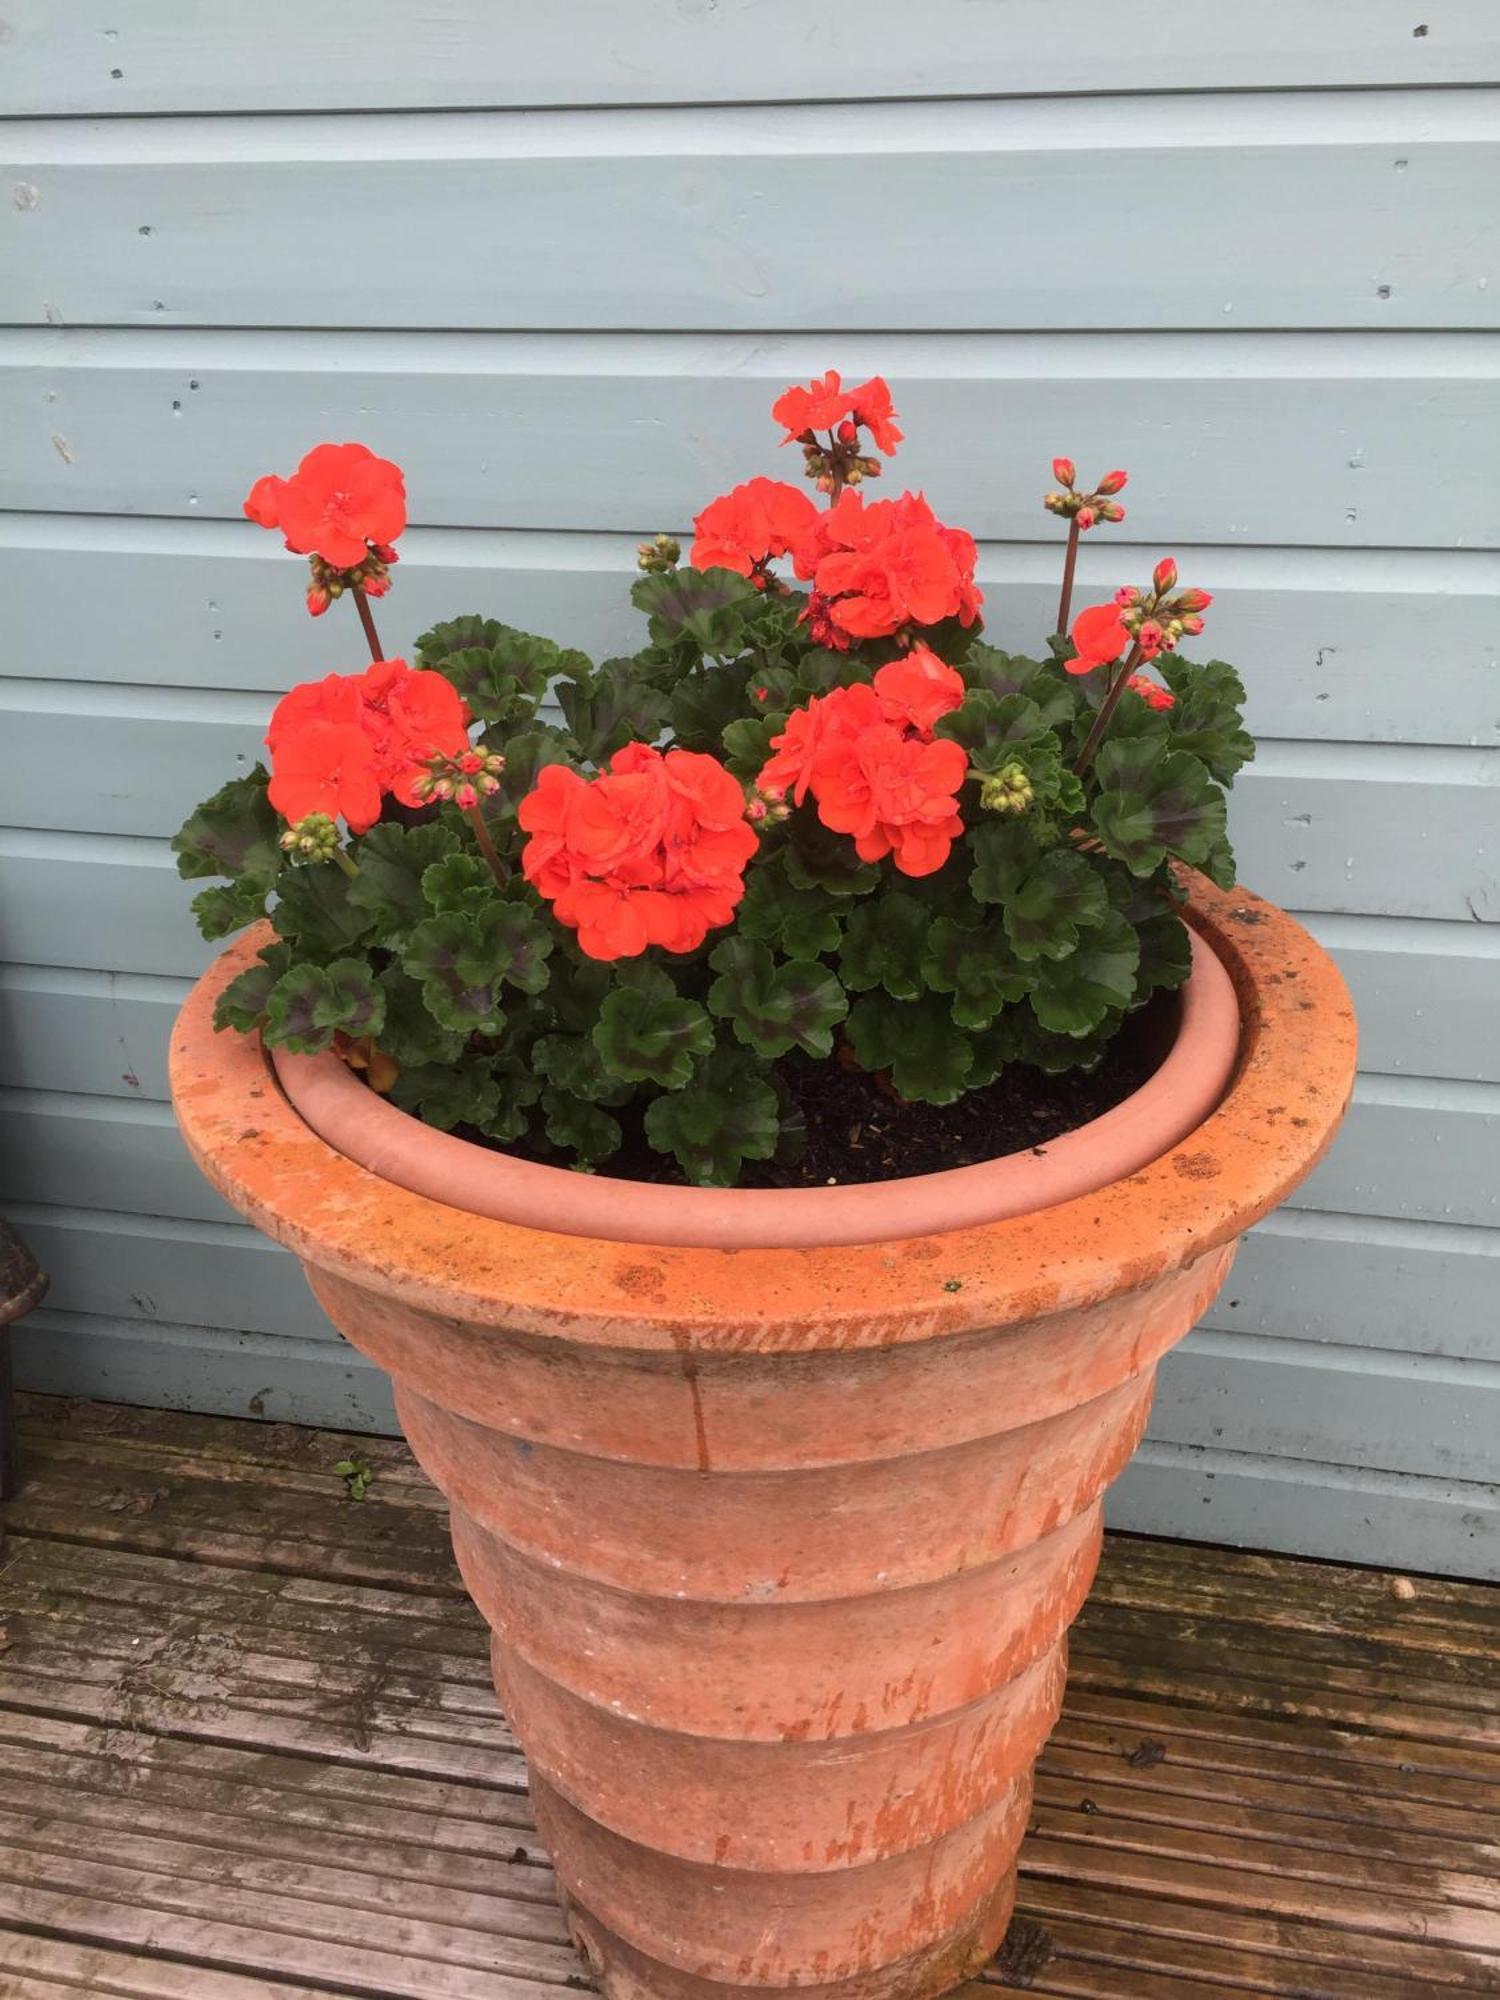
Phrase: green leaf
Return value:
(573, 1066)
(224, 909)
(501, 673)
(725, 1116)
(578, 986)
(928, 1058)
(800, 923)
(1055, 693)
(651, 1037)
(392, 860)
(975, 963)
(444, 1096)
(525, 756)
(885, 944)
(997, 731)
(747, 743)
(1004, 851)
(242, 1004)
(519, 1088)
(352, 1001)
(315, 910)
(1150, 806)
(1166, 952)
(707, 606)
(1073, 994)
(458, 883)
(773, 1008)
(235, 833)
(702, 705)
(463, 960)
(605, 713)
(579, 1127)
(410, 1034)
(816, 858)
(1206, 719)
(292, 1010)
(1057, 898)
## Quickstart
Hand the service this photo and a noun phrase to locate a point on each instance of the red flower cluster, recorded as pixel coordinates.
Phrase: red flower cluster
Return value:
(824, 405)
(341, 503)
(653, 851)
(867, 755)
(339, 744)
(892, 563)
(745, 529)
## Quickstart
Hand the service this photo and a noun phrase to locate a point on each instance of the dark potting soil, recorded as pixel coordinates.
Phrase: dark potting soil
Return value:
(858, 1129)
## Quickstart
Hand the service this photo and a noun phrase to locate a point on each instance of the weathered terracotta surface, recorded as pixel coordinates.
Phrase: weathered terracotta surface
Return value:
(780, 1546)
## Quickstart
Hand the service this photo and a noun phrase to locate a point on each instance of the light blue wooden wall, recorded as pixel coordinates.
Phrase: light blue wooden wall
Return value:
(556, 261)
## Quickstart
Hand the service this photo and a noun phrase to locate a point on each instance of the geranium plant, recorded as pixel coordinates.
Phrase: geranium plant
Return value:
(817, 818)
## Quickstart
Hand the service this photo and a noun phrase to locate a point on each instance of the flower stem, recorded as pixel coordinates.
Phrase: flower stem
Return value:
(487, 846)
(1070, 563)
(1107, 708)
(362, 606)
(343, 860)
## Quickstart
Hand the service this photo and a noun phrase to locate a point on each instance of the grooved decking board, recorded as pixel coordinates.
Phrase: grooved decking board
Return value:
(248, 1751)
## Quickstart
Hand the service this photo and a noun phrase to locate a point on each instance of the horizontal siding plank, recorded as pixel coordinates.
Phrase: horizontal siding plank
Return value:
(226, 1374)
(1352, 209)
(1331, 1405)
(97, 1032)
(1423, 1288)
(1326, 639)
(1411, 1151)
(65, 897)
(1382, 831)
(279, 55)
(1397, 1520)
(1314, 439)
(1365, 1281)
(185, 1273)
(1424, 993)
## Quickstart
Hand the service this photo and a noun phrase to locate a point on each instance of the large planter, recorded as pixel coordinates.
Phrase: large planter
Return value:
(780, 1545)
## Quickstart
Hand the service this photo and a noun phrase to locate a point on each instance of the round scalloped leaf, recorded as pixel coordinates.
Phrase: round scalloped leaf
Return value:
(977, 965)
(235, 833)
(578, 1126)
(1074, 994)
(1057, 898)
(651, 1037)
(1151, 806)
(773, 1008)
(725, 1116)
(929, 1060)
(885, 943)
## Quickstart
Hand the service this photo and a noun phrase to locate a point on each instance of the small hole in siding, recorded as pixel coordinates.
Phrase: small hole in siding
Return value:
(1382, 291)
(1420, 30)
(144, 230)
(176, 408)
(117, 74)
(192, 385)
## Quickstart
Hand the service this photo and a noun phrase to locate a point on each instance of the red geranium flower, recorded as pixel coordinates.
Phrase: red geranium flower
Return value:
(339, 502)
(402, 717)
(811, 732)
(1098, 636)
(746, 528)
(870, 405)
(818, 407)
(327, 767)
(1151, 692)
(652, 851)
(918, 688)
(890, 564)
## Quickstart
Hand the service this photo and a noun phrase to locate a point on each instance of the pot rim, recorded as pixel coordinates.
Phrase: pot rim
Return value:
(389, 1142)
(1276, 1119)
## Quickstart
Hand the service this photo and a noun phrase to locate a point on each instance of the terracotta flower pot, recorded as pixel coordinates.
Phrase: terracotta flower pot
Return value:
(780, 1545)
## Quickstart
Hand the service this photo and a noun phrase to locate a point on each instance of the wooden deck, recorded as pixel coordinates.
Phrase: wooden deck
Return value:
(249, 1751)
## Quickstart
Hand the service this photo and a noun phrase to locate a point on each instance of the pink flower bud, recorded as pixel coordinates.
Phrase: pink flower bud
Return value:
(1192, 623)
(376, 586)
(317, 601)
(847, 432)
(1086, 518)
(467, 797)
(1151, 639)
(470, 762)
(756, 810)
(1113, 482)
(1195, 600)
(1164, 576)
(1127, 594)
(1065, 472)
(489, 783)
(825, 484)
(1111, 510)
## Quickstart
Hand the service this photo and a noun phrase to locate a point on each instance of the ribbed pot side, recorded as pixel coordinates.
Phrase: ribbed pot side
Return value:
(780, 1548)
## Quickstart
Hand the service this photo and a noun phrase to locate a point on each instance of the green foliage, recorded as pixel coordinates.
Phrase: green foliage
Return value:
(1055, 917)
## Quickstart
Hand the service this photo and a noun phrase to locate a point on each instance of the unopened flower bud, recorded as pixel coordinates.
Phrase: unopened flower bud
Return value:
(1192, 623)
(1151, 639)
(336, 587)
(1164, 576)
(1007, 790)
(383, 552)
(825, 484)
(1194, 600)
(1112, 482)
(466, 797)
(659, 554)
(1127, 594)
(756, 810)
(312, 838)
(870, 467)
(1086, 518)
(1111, 510)
(470, 762)
(847, 432)
(376, 584)
(853, 477)
(1065, 472)
(488, 784)
(1053, 502)
(317, 600)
